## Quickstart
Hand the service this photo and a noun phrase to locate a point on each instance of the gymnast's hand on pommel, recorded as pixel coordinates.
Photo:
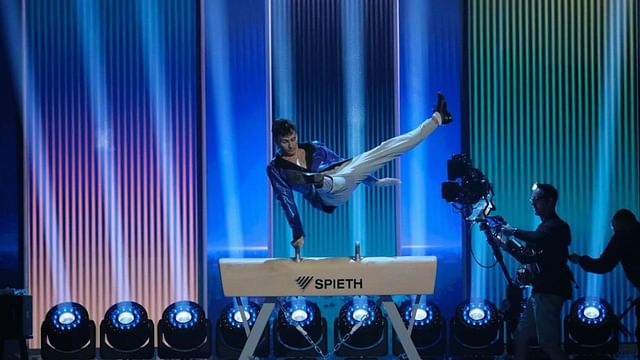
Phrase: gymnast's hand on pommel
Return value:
(298, 243)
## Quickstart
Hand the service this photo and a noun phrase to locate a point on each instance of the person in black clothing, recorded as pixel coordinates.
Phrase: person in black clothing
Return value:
(624, 247)
(552, 284)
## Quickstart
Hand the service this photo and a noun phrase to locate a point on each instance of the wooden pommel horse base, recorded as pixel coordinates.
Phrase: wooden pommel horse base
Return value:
(384, 276)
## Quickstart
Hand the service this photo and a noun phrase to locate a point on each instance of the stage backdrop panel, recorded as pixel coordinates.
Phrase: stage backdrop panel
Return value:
(112, 190)
(334, 72)
(553, 98)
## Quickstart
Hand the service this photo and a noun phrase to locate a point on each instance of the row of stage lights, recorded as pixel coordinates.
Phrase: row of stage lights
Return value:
(590, 328)
(125, 332)
(300, 330)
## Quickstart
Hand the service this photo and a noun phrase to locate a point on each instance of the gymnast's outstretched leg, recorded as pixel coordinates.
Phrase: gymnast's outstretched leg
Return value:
(338, 184)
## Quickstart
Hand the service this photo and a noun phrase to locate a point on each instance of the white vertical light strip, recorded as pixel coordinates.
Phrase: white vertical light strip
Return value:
(223, 119)
(281, 33)
(154, 34)
(282, 93)
(353, 65)
(48, 189)
(396, 119)
(608, 119)
(417, 53)
(103, 118)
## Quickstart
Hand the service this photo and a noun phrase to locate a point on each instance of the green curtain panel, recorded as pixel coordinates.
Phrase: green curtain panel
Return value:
(552, 98)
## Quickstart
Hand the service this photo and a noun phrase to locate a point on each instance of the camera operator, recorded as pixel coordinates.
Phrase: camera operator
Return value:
(552, 285)
(623, 247)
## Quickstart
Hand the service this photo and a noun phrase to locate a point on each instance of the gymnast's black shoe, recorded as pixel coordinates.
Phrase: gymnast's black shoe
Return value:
(441, 108)
(295, 177)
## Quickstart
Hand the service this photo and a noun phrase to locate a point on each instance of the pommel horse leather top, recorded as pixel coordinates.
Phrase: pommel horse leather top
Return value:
(328, 276)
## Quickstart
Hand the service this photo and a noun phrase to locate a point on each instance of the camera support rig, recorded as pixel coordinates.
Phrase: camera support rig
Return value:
(471, 193)
(512, 306)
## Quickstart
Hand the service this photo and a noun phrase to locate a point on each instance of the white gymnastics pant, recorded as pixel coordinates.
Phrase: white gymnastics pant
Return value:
(344, 179)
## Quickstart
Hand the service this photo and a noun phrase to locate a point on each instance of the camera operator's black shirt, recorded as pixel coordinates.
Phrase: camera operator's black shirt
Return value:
(623, 247)
(551, 240)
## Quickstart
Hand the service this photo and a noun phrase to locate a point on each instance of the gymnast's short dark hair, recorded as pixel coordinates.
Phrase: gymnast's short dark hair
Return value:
(282, 127)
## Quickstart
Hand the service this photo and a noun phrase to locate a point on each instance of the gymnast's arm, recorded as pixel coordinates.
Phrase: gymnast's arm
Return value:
(284, 194)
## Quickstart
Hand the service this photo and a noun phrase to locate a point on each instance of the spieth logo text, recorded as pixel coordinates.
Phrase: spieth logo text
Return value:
(328, 283)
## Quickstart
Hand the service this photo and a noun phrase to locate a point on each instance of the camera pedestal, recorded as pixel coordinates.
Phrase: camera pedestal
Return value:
(513, 305)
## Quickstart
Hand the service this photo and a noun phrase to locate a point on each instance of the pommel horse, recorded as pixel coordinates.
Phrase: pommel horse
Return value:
(383, 276)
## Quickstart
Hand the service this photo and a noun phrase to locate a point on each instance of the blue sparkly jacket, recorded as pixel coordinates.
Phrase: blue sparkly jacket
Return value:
(318, 158)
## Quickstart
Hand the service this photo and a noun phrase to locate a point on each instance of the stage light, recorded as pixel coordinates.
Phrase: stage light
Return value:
(591, 328)
(231, 335)
(476, 330)
(428, 333)
(67, 332)
(183, 332)
(297, 314)
(361, 320)
(126, 332)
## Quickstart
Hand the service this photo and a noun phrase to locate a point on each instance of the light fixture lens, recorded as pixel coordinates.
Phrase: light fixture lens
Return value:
(360, 314)
(591, 312)
(183, 317)
(477, 314)
(126, 317)
(421, 314)
(66, 318)
(237, 316)
(299, 315)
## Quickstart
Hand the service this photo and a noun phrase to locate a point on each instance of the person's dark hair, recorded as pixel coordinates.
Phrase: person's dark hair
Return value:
(624, 216)
(282, 127)
(548, 192)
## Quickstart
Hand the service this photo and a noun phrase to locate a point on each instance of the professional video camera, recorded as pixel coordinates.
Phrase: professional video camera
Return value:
(470, 192)
(467, 189)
